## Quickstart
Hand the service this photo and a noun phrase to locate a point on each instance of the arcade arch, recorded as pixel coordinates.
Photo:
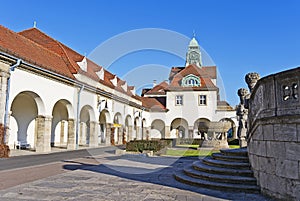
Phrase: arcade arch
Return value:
(179, 128)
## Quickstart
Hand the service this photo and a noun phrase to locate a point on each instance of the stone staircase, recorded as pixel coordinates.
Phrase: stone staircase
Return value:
(228, 170)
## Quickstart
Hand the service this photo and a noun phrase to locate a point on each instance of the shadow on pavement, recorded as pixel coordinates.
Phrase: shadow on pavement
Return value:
(155, 170)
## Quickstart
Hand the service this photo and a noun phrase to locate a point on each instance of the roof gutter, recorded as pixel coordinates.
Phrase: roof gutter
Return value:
(78, 113)
(11, 69)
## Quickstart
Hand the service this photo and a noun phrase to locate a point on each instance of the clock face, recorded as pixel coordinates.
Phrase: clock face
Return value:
(193, 56)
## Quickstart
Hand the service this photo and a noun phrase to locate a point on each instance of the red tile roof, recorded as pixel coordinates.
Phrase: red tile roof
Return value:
(158, 89)
(20, 46)
(202, 73)
(71, 58)
(223, 105)
(153, 104)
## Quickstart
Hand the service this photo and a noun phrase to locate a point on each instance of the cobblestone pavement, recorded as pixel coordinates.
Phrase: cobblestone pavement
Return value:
(119, 178)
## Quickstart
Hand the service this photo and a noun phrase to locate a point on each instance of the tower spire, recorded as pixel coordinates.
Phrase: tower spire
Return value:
(193, 55)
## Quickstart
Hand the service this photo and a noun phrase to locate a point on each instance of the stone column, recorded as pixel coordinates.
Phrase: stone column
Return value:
(107, 134)
(191, 132)
(43, 134)
(4, 149)
(47, 138)
(138, 133)
(167, 132)
(62, 132)
(3, 87)
(93, 134)
(129, 133)
(112, 136)
(144, 133)
(120, 136)
(71, 135)
(82, 134)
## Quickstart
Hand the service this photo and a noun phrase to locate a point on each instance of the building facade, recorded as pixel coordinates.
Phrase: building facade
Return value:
(190, 101)
(50, 95)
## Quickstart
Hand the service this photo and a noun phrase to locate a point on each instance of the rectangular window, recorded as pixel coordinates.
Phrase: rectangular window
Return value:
(179, 100)
(202, 100)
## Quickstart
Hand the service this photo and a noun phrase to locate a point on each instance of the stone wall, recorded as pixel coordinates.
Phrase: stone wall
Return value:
(274, 134)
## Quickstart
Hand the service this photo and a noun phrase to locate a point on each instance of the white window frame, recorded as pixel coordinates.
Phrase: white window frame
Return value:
(178, 100)
(202, 99)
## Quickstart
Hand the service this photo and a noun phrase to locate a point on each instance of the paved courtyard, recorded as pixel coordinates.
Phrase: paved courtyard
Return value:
(111, 177)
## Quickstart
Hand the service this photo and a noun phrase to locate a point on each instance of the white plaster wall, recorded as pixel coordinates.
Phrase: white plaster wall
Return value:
(191, 110)
(49, 91)
(88, 98)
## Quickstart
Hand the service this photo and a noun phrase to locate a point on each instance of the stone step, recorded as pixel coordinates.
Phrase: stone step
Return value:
(190, 171)
(180, 176)
(221, 156)
(235, 152)
(198, 165)
(226, 164)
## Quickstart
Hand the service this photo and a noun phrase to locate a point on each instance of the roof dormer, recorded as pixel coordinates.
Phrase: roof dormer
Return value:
(191, 81)
(114, 81)
(83, 64)
(124, 86)
(100, 74)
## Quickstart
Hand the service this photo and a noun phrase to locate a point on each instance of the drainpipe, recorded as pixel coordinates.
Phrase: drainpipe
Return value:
(78, 112)
(11, 69)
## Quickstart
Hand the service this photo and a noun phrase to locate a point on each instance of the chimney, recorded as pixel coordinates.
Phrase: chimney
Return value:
(154, 83)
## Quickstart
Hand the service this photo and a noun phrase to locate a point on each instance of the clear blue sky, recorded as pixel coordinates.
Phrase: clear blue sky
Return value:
(240, 36)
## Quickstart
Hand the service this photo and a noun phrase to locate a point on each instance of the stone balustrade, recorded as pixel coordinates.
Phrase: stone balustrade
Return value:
(274, 134)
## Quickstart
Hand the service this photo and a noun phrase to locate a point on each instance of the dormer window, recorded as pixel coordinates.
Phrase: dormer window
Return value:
(190, 81)
(83, 64)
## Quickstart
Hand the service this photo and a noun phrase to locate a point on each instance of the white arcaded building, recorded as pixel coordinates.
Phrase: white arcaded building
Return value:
(191, 96)
(50, 95)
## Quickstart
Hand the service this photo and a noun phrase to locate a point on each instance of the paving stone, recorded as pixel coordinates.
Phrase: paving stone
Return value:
(100, 183)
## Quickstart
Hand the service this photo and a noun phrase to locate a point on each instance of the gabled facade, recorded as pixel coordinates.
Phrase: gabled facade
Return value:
(190, 97)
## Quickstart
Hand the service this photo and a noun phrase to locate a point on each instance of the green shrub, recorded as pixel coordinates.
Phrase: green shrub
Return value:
(149, 145)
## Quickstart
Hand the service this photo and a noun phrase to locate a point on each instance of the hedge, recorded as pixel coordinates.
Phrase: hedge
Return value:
(149, 145)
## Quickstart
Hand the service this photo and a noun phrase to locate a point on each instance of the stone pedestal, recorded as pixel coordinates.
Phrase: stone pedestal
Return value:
(217, 144)
(93, 134)
(43, 134)
(108, 134)
(71, 144)
(243, 142)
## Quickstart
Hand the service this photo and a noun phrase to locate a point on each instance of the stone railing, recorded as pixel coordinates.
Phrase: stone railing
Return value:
(274, 134)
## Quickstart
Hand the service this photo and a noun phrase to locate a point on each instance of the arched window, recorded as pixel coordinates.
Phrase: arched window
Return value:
(190, 81)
